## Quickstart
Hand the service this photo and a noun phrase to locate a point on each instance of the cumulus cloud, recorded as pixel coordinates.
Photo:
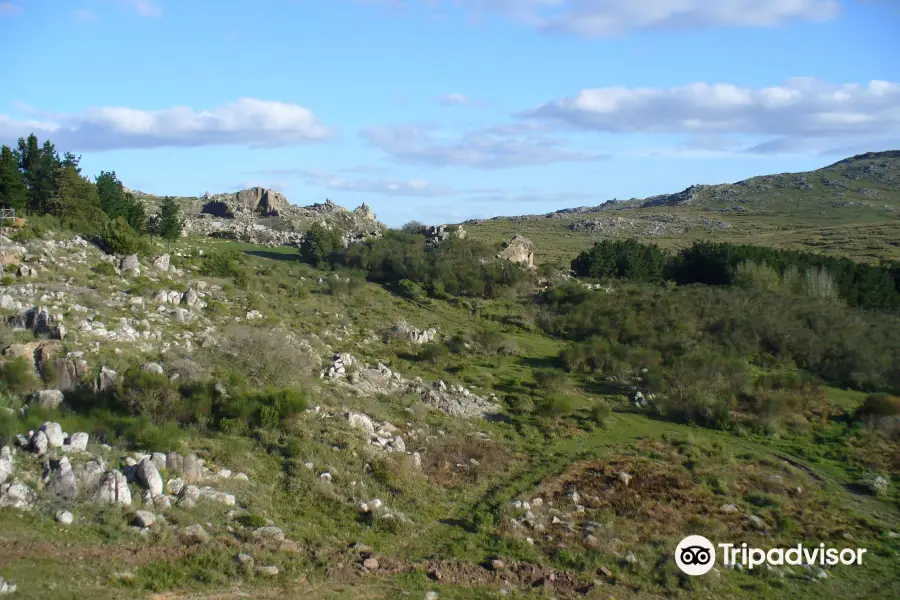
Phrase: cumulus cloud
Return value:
(247, 121)
(416, 188)
(597, 18)
(478, 149)
(8, 9)
(801, 113)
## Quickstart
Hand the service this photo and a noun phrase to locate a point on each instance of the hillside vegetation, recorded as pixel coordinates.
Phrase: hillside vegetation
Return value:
(420, 413)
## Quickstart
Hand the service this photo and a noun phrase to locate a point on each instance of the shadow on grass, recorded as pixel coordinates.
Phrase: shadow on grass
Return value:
(284, 256)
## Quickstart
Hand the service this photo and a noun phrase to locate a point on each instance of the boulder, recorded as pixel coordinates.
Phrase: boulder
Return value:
(193, 470)
(361, 421)
(195, 534)
(130, 265)
(64, 517)
(519, 250)
(63, 481)
(113, 489)
(16, 495)
(161, 262)
(6, 463)
(149, 477)
(107, 380)
(90, 474)
(152, 367)
(144, 518)
(54, 433)
(78, 441)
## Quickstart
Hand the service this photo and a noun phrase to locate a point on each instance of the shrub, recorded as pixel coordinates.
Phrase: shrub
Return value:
(17, 376)
(260, 357)
(549, 381)
(556, 405)
(410, 289)
(433, 352)
(319, 243)
(599, 412)
(118, 237)
(266, 409)
(104, 268)
(149, 394)
(879, 406)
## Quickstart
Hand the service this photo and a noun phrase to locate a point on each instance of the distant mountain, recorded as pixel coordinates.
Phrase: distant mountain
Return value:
(868, 180)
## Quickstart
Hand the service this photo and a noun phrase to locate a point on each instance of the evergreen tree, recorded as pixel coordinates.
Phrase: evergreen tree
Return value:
(13, 193)
(40, 166)
(168, 224)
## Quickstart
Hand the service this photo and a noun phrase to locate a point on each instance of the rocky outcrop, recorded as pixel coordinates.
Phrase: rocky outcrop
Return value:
(519, 250)
(257, 200)
(436, 234)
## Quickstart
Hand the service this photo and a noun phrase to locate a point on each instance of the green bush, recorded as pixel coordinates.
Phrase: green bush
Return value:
(148, 394)
(118, 237)
(550, 381)
(104, 268)
(556, 405)
(252, 520)
(319, 243)
(17, 376)
(433, 352)
(410, 289)
(599, 412)
(879, 406)
(267, 409)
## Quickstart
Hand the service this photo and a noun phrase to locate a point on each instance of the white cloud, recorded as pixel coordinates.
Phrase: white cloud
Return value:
(247, 121)
(417, 188)
(800, 114)
(597, 18)
(8, 9)
(454, 99)
(483, 149)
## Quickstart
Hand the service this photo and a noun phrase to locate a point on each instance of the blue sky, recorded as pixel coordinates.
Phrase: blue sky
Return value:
(442, 110)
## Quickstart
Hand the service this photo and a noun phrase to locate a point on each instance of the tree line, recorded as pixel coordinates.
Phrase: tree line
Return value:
(860, 285)
(36, 180)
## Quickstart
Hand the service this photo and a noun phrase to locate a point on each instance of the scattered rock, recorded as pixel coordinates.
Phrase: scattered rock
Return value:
(267, 570)
(370, 563)
(149, 477)
(113, 489)
(161, 262)
(65, 517)
(195, 534)
(143, 518)
(49, 399)
(63, 481)
(78, 441)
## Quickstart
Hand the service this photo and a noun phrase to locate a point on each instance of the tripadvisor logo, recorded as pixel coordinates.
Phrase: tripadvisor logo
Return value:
(696, 555)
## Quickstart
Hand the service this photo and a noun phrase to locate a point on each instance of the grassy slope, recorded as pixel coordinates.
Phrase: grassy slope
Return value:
(860, 220)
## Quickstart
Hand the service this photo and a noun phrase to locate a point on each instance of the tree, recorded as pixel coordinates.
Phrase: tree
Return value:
(167, 223)
(116, 202)
(319, 243)
(13, 193)
(40, 166)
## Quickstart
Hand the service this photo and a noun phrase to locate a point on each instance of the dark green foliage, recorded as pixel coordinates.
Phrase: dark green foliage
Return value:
(267, 409)
(253, 521)
(434, 352)
(879, 406)
(859, 284)
(17, 376)
(556, 405)
(39, 166)
(640, 327)
(167, 223)
(452, 268)
(549, 380)
(319, 243)
(222, 263)
(148, 394)
(413, 227)
(13, 193)
(104, 268)
(119, 238)
(628, 259)
(116, 202)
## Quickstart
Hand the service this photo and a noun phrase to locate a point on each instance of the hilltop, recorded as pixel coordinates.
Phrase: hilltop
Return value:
(850, 207)
(263, 216)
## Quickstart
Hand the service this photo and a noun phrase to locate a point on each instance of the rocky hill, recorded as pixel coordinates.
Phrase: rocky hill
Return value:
(869, 180)
(264, 216)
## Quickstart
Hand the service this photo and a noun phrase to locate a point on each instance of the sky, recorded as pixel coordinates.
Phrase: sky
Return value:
(445, 110)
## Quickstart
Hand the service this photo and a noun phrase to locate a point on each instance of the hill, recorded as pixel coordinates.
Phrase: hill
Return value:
(849, 208)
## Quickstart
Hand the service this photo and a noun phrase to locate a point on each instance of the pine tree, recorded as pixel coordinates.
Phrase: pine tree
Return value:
(13, 193)
(168, 224)
(40, 166)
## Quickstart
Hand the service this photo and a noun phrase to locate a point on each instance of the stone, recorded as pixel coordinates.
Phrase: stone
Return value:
(193, 470)
(240, 477)
(498, 565)
(113, 489)
(519, 250)
(63, 481)
(195, 534)
(130, 264)
(625, 478)
(16, 495)
(54, 433)
(267, 571)
(90, 474)
(107, 380)
(49, 399)
(361, 421)
(79, 441)
(6, 463)
(245, 560)
(152, 367)
(289, 546)
(159, 460)
(211, 495)
(190, 298)
(161, 262)
(189, 495)
(268, 535)
(757, 522)
(65, 517)
(39, 443)
(728, 508)
(370, 563)
(149, 477)
(144, 518)
(7, 587)
(175, 485)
